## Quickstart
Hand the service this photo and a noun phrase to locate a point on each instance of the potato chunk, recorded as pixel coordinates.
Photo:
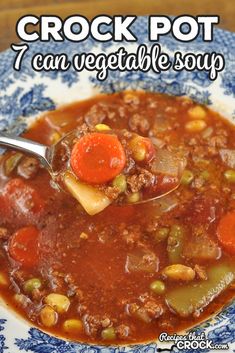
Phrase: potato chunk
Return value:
(92, 200)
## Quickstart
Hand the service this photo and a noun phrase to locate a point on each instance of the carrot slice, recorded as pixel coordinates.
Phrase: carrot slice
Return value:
(226, 232)
(97, 158)
(22, 197)
(23, 246)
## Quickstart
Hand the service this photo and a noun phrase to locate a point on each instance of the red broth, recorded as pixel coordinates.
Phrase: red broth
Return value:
(111, 270)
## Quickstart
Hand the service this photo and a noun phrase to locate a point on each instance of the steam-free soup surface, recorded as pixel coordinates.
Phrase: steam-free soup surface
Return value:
(131, 272)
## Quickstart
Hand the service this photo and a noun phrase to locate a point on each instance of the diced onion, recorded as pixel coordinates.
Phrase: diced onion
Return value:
(228, 157)
(168, 163)
(141, 260)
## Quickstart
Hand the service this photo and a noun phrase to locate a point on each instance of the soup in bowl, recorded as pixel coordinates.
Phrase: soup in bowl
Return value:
(131, 271)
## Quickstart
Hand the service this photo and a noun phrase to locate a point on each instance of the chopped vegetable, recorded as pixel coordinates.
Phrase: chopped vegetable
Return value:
(197, 112)
(175, 243)
(195, 125)
(22, 198)
(73, 325)
(31, 284)
(48, 316)
(139, 151)
(187, 177)
(97, 158)
(201, 247)
(205, 175)
(185, 300)
(134, 197)
(230, 175)
(102, 127)
(120, 182)
(11, 163)
(23, 246)
(92, 200)
(59, 302)
(142, 149)
(228, 157)
(161, 234)
(226, 232)
(141, 260)
(108, 334)
(158, 287)
(179, 272)
(168, 163)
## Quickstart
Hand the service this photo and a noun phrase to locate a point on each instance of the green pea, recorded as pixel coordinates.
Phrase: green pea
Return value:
(230, 175)
(134, 197)
(187, 177)
(158, 287)
(205, 175)
(120, 182)
(31, 284)
(161, 234)
(108, 334)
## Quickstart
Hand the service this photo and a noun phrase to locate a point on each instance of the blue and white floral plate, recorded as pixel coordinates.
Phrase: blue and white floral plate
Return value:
(25, 94)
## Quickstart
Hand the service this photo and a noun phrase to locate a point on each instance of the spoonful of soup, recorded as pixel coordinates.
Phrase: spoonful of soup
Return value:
(99, 166)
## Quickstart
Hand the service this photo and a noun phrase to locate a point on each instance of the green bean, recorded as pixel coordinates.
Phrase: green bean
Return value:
(175, 243)
(230, 175)
(158, 287)
(120, 182)
(185, 300)
(31, 284)
(187, 177)
(108, 334)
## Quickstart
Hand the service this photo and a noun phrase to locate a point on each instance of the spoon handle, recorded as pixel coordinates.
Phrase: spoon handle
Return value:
(24, 145)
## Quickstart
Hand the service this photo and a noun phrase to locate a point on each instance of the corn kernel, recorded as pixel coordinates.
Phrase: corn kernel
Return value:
(195, 125)
(197, 112)
(73, 325)
(102, 127)
(179, 272)
(48, 316)
(59, 302)
(55, 137)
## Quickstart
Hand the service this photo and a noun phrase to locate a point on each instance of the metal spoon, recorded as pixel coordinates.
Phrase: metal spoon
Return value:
(51, 158)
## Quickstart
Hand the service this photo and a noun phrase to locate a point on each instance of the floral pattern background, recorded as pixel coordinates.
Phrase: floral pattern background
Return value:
(25, 94)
